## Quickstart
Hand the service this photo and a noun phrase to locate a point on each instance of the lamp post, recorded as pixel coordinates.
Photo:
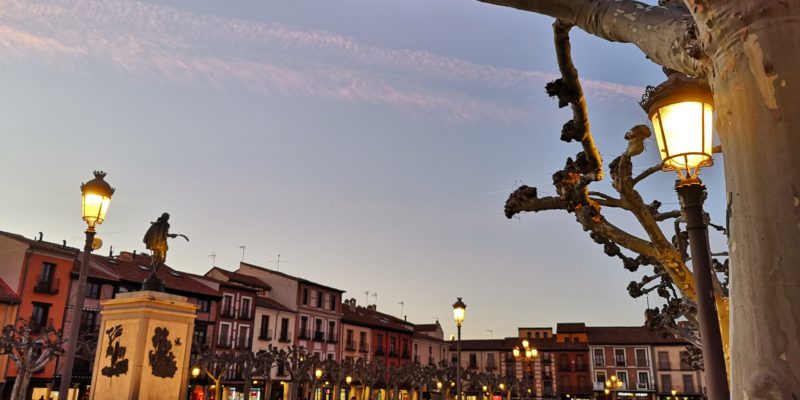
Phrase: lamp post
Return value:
(195, 373)
(681, 110)
(673, 392)
(459, 310)
(96, 196)
(526, 356)
(612, 385)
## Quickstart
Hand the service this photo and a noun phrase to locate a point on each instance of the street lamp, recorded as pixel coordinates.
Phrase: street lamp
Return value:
(681, 110)
(673, 392)
(613, 384)
(96, 197)
(195, 373)
(459, 310)
(526, 355)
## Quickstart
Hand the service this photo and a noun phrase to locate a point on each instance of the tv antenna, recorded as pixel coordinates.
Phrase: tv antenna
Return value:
(278, 263)
(366, 293)
(402, 307)
(375, 295)
(213, 257)
(491, 333)
(242, 247)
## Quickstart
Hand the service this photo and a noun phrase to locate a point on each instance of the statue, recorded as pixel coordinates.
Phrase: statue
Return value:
(155, 239)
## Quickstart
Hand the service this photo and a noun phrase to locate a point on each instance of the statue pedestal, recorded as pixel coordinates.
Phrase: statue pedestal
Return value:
(143, 348)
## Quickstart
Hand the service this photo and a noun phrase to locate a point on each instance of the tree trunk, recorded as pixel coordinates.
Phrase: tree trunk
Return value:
(290, 386)
(757, 92)
(21, 385)
(246, 387)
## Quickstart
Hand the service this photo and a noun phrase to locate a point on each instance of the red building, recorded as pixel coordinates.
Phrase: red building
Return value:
(571, 358)
(38, 272)
(390, 337)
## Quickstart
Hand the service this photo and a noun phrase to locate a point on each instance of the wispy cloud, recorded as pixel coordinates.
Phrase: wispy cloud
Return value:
(275, 59)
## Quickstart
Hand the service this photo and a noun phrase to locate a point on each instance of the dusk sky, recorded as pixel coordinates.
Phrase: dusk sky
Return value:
(370, 143)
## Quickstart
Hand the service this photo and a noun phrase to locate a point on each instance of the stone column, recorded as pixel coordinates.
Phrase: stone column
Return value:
(144, 347)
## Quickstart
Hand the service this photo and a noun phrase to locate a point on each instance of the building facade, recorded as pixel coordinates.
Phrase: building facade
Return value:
(429, 347)
(571, 358)
(624, 352)
(672, 373)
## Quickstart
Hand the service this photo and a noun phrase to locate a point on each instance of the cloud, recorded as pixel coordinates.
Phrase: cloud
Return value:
(274, 59)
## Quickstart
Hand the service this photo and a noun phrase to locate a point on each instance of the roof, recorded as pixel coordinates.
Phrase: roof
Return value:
(61, 249)
(426, 327)
(135, 269)
(571, 327)
(6, 294)
(247, 280)
(485, 345)
(272, 304)
(362, 316)
(298, 279)
(508, 344)
(629, 335)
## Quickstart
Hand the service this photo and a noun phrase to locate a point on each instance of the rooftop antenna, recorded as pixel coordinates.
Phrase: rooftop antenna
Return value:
(402, 307)
(436, 318)
(242, 247)
(647, 297)
(278, 263)
(213, 257)
(491, 333)
(366, 293)
(375, 295)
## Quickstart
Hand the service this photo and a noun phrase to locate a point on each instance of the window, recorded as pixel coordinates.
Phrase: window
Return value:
(305, 296)
(490, 362)
(333, 302)
(684, 357)
(89, 322)
(317, 329)
(200, 334)
(304, 327)
(666, 383)
(320, 298)
(227, 305)
(92, 290)
(392, 345)
(663, 360)
(244, 312)
(430, 354)
(575, 339)
(332, 331)
(619, 357)
(243, 341)
(40, 313)
(264, 330)
(528, 334)
(536, 335)
(641, 358)
(566, 383)
(284, 329)
(349, 344)
(688, 384)
(545, 334)
(380, 344)
(599, 357)
(48, 271)
(623, 377)
(600, 377)
(581, 363)
(362, 342)
(473, 360)
(643, 380)
(224, 334)
(563, 363)
(203, 305)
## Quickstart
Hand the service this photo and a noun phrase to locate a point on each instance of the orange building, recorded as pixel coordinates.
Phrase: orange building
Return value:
(39, 273)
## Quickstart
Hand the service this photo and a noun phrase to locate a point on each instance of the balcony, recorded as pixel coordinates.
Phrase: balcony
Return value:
(547, 360)
(379, 352)
(665, 366)
(332, 338)
(392, 353)
(580, 367)
(642, 386)
(265, 334)
(285, 337)
(304, 335)
(620, 361)
(491, 367)
(350, 346)
(226, 312)
(563, 367)
(224, 343)
(363, 348)
(405, 355)
(37, 326)
(245, 315)
(48, 286)
(319, 337)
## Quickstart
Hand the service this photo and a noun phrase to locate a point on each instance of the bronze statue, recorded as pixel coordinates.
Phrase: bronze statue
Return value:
(155, 239)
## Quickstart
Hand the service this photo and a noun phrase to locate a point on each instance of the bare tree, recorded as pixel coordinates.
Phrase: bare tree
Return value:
(265, 361)
(746, 51)
(30, 347)
(216, 365)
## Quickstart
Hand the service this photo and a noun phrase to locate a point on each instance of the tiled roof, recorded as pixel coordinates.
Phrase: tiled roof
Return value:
(135, 270)
(571, 327)
(62, 249)
(508, 344)
(244, 279)
(484, 345)
(6, 294)
(271, 304)
(300, 280)
(622, 335)
(425, 327)
(362, 316)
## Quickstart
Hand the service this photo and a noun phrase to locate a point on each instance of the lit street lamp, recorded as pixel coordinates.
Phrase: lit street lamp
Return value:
(681, 110)
(96, 197)
(195, 373)
(526, 356)
(612, 385)
(459, 310)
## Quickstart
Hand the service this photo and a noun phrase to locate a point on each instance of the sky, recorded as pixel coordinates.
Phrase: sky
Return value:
(371, 144)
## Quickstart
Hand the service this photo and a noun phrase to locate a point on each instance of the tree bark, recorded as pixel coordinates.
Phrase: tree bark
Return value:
(756, 82)
(21, 385)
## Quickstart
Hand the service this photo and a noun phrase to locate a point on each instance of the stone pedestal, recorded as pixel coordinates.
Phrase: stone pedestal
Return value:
(144, 347)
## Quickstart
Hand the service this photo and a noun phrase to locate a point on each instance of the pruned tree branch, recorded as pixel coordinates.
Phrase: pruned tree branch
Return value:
(666, 35)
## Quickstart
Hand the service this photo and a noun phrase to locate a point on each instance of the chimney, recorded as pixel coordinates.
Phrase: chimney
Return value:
(111, 252)
(405, 318)
(64, 243)
(41, 235)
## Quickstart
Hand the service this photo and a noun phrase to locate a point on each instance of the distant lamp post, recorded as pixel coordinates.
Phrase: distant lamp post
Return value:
(459, 311)
(612, 385)
(526, 355)
(96, 197)
(681, 110)
(673, 392)
(195, 373)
